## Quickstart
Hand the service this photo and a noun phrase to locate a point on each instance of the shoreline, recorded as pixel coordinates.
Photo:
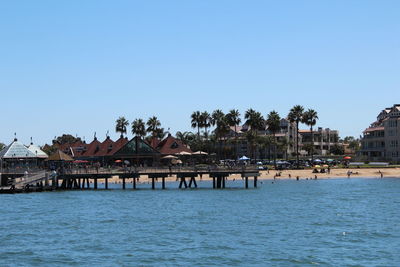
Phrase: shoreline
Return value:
(292, 174)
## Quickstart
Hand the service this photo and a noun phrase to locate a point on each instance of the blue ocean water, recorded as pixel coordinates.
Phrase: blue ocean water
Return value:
(343, 222)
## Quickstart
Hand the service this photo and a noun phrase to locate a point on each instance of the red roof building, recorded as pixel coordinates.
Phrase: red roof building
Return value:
(171, 145)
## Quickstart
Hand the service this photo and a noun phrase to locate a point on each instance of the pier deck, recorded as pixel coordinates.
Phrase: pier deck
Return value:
(77, 179)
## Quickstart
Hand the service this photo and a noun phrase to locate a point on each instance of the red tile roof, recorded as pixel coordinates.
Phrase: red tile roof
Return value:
(105, 147)
(171, 145)
(92, 149)
(118, 145)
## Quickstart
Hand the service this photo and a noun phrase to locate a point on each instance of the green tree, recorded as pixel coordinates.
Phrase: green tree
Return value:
(337, 149)
(205, 122)
(255, 121)
(233, 120)
(66, 139)
(186, 137)
(274, 125)
(309, 148)
(296, 116)
(139, 131)
(121, 125)
(1, 146)
(220, 122)
(153, 126)
(196, 122)
(310, 118)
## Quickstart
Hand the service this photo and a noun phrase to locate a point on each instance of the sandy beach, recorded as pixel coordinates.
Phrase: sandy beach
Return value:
(302, 174)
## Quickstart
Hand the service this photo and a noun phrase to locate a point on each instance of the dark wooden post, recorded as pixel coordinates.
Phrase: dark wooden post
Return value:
(193, 179)
(163, 183)
(153, 183)
(247, 182)
(219, 181)
(95, 183)
(134, 183)
(79, 182)
(123, 183)
(213, 182)
(63, 184)
(183, 182)
(88, 183)
(255, 181)
(106, 183)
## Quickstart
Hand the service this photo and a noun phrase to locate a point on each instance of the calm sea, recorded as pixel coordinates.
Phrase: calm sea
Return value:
(344, 222)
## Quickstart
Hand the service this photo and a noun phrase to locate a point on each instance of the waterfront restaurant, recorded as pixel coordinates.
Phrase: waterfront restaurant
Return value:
(138, 152)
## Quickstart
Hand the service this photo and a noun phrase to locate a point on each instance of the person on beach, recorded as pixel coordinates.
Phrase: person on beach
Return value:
(381, 173)
(348, 174)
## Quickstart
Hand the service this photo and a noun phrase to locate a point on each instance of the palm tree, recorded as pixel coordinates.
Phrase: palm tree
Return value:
(233, 120)
(255, 120)
(296, 116)
(120, 125)
(153, 125)
(217, 116)
(139, 131)
(218, 119)
(196, 122)
(310, 118)
(205, 122)
(274, 125)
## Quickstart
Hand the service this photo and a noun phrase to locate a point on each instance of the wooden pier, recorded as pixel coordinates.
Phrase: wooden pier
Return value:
(47, 181)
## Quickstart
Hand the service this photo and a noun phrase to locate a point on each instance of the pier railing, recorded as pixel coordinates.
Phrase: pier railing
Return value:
(144, 170)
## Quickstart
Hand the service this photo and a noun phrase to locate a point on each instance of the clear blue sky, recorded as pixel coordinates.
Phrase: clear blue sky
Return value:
(75, 66)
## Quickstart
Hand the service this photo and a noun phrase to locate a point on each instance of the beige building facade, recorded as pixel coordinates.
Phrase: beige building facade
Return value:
(381, 141)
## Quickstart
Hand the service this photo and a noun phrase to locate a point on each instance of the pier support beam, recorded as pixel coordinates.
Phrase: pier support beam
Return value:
(213, 182)
(153, 184)
(123, 183)
(246, 182)
(106, 183)
(163, 183)
(255, 181)
(134, 183)
(192, 180)
(95, 183)
(183, 182)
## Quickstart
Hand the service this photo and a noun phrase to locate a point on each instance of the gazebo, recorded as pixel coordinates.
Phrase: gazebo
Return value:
(17, 156)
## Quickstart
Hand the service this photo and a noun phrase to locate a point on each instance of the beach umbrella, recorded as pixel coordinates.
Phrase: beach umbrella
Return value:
(244, 158)
(127, 162)
(170, 157)
(183, 153)
(200, 153)
(118, 161)
(347, 157)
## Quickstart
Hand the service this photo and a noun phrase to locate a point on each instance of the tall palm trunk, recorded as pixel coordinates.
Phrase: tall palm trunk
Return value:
(137, 151)
(297, 144)
(312, 147)
(236, 144)
(274, 150)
